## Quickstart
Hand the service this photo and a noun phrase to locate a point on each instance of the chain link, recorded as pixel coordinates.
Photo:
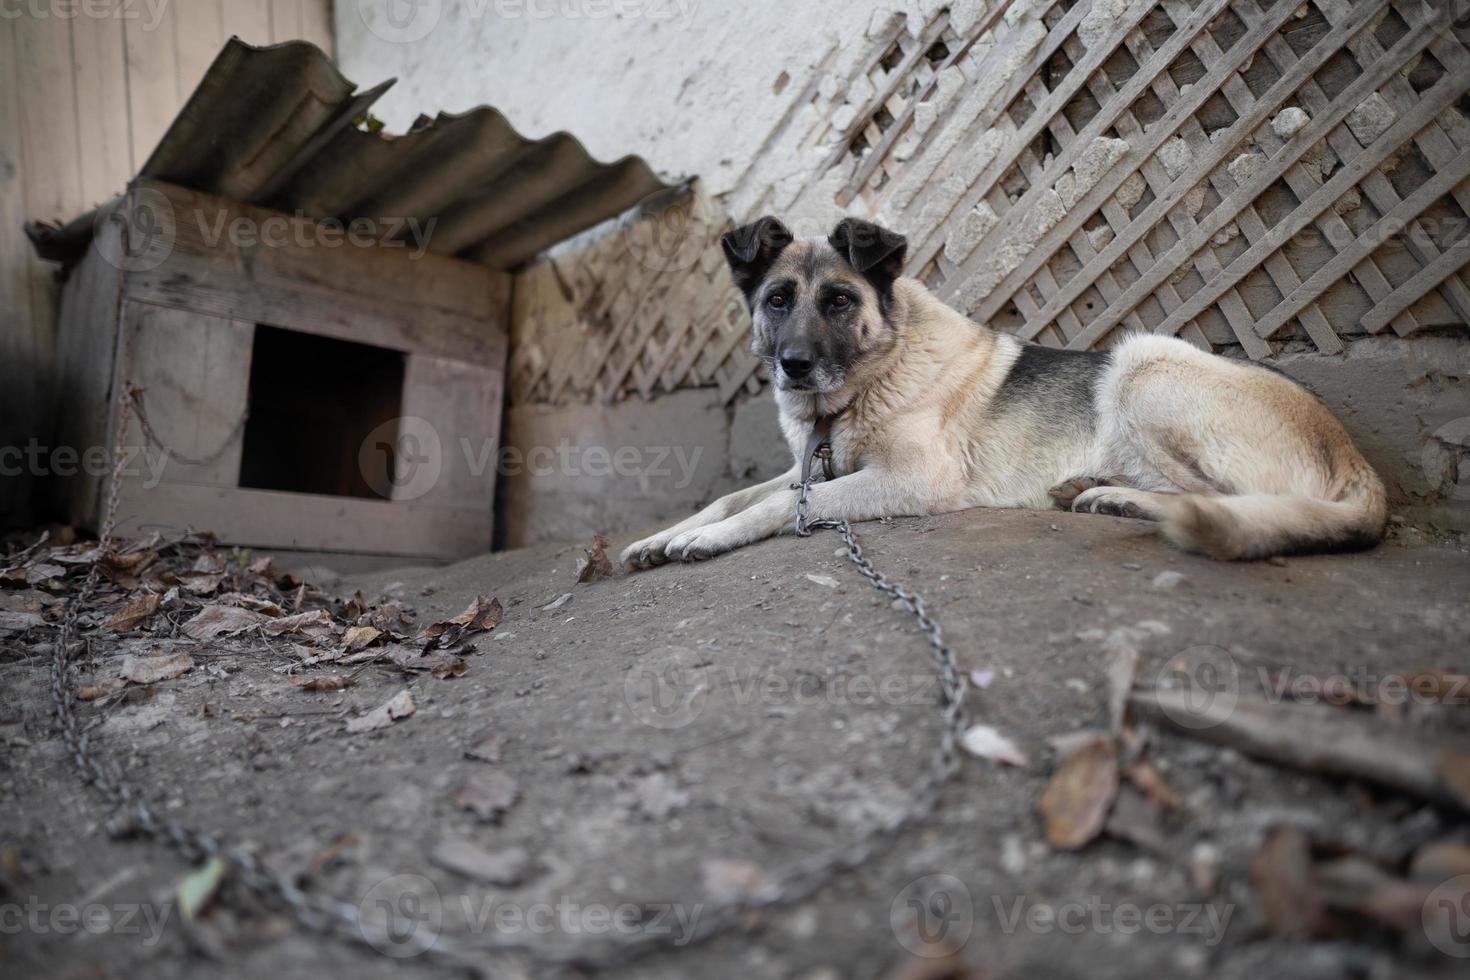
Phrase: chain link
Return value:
(323, 913)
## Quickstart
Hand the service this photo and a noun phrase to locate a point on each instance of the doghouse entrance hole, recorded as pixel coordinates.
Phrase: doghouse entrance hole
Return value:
(313, 401)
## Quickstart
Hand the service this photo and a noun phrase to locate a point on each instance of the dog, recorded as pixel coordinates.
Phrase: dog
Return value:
(930, 412)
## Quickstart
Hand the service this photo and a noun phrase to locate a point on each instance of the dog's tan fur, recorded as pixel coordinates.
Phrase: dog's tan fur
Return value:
(1235, 460)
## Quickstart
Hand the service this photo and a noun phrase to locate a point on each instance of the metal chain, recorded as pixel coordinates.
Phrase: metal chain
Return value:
(325, 913)
(135, 398)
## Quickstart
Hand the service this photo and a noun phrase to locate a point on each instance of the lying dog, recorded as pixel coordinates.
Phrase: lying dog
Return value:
(930, 412)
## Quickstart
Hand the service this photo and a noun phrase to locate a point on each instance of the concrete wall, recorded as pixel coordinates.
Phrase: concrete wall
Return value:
(707, 89)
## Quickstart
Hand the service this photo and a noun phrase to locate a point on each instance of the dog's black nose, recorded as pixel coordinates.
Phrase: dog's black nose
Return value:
(796, 363)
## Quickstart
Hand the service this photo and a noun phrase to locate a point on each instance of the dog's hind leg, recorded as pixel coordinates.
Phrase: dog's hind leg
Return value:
(1148, 505)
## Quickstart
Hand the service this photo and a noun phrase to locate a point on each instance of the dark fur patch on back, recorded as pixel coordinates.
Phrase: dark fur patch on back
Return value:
(1060, 381)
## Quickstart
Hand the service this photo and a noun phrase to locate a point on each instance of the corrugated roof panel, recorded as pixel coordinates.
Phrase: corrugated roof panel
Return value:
(276, 126)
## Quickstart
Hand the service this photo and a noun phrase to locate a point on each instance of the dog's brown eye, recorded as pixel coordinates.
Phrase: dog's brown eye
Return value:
(840, 301)
(776, 301)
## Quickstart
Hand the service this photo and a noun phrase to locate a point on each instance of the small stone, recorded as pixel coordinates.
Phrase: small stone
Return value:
(1166, 580)
(1289, 122)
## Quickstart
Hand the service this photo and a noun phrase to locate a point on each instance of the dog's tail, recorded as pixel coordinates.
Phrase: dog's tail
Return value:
(1257, 526)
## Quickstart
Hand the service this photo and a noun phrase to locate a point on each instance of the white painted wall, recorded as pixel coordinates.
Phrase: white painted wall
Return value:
(687, 84)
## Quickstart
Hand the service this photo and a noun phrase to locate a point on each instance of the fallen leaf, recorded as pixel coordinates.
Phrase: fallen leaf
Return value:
(1281, 871)
(116, 566)
(200, 583)
(485, 613)
(1075, 803)
(487, 749)
(358, 637)
(156, 666)
(1149, 779)
(985, 742)
(505, 867)
(20, 620)
(214, 621)
(596, 565)
(399, 706)
(324, 682)
(104, 687)
(1122, 667)
(134, 611)
(200, 886)
(558, 602)
(32, 574)
(316, 624)
(488, 793)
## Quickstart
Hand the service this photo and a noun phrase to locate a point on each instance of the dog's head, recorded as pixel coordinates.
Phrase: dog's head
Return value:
(820, 308)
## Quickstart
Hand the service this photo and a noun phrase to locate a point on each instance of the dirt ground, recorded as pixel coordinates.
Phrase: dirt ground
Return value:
(750, 710)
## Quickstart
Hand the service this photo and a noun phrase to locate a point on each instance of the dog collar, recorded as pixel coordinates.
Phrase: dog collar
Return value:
(819, 446)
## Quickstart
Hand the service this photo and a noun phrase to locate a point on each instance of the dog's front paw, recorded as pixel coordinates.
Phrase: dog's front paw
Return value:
(1115, 502)
(700, 543)
(646, 553)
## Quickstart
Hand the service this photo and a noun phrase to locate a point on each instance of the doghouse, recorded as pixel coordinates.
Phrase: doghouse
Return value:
(304, 319)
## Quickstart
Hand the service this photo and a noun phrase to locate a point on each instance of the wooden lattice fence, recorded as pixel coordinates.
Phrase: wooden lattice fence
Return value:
(1239, 172)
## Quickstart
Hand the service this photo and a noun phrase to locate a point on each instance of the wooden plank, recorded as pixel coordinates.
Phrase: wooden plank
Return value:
(100, 73)
(194, 370)
(1392, 223)
(246, 263)
(199, 33)
(316, 25)
(1443, 94)
(1450, 260)
(285, 20)
(1161, 131)
(154, 95)
(875, 156)
(86, 341)
(249, 20)
(19, 410)
(1231, 206)
(464, 404)
(304, 521)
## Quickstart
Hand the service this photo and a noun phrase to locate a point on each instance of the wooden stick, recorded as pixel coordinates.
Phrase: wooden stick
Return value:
(1313, 738)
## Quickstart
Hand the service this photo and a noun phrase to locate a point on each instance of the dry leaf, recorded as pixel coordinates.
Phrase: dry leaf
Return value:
(316, 624)
(1075, 803)
(505, 867)
(156, 666)
(116, 566)
(1148, 779)
(134, 611)
(488, 793)
(484, 613)
(487, 749)
(985, 742)
(399, 706)
(1281, 871)
(596, 565)
(200, 583)
(19, 621)
(326, 682)
(104, 687)
(215, 620)
(1122, 667)
(358, 637)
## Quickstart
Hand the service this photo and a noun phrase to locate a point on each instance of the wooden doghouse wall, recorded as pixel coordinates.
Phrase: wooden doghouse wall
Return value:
(189, 306)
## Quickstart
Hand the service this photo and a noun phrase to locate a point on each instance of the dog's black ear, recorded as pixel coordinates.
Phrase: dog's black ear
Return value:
(871, 249)
(751, 250)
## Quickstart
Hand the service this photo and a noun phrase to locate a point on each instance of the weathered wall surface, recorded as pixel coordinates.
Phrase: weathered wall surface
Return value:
(86, 91)
(1065, 169)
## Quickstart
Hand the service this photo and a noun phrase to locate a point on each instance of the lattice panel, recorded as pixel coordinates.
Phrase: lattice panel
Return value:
(1235, 172)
